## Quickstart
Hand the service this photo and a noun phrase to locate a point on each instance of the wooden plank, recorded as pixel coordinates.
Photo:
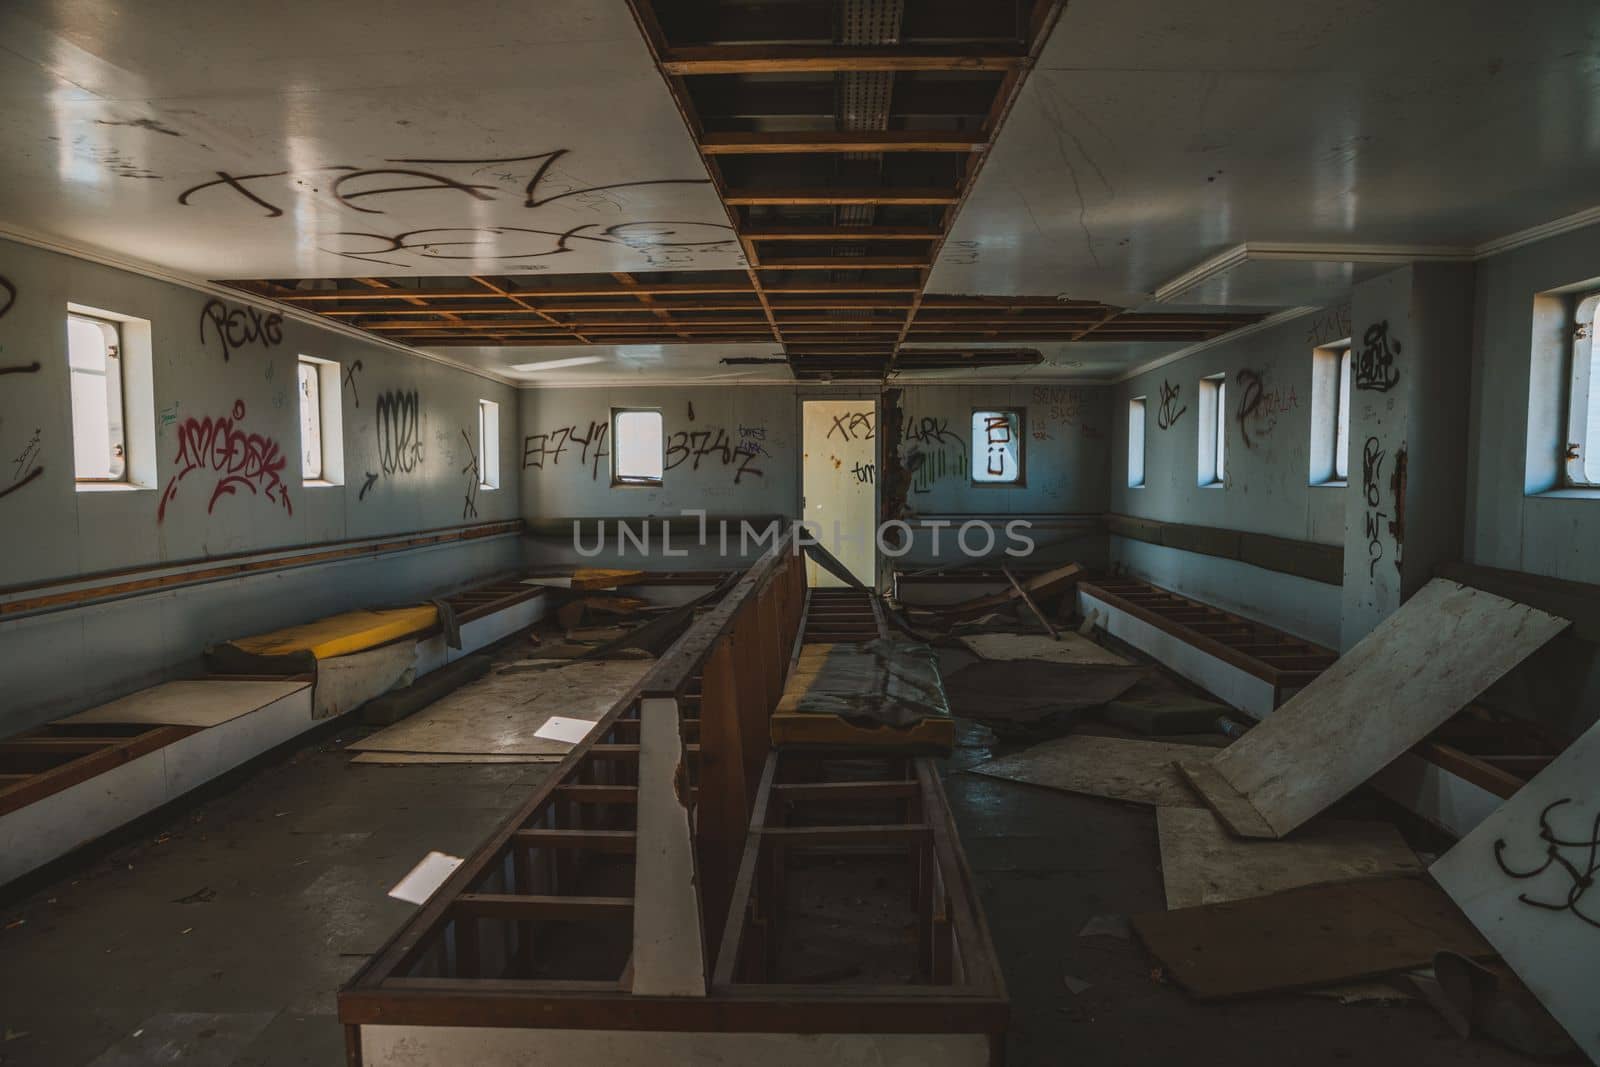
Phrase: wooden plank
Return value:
(763, 143)
(804, 196)
(844, 792)
(1307, 937)
(776, 59)
(1201, 863)
(599, 794)
(668, 940)
(1028, 600)
(818, 836)
(723, 817)
(518, 907)
(188, 703)
(1419, 667)
(1525, 877)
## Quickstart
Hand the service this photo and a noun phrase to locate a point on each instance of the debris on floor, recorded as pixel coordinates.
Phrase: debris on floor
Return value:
(427, 876)
(1487, 999)
(1068, 648)
(1109, 767)
(1201, 863)
(1308, 937)
(1160, 706)
(1033, 699)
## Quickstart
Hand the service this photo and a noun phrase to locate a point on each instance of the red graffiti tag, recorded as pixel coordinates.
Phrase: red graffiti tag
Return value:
(243, 459)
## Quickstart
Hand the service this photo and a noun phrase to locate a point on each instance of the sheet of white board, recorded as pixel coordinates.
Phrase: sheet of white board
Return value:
(1546, 926)
(1420, 666)
(427, 876)
(1068, 648)
(561, 728)
(201, 702)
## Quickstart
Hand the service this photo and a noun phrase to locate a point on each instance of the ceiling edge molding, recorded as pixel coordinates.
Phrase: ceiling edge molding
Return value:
(1576, 221)
(1233, 335)
(162, 274)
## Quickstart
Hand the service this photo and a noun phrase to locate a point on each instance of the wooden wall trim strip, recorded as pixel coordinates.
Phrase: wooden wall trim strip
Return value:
(1303, 559)
(72, 593)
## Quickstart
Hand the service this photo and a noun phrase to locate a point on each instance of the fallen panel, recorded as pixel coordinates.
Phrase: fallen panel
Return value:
(1030, 698)
(1202, 864)
(1071, 648)
(1308, 937)
(501, 714)
(344, 683)
(1137, 771)
(1422, 664)
(1526, 877)
(424, 759)
(208, 702)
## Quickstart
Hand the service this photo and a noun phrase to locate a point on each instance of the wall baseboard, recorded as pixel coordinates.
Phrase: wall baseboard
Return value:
(1303, 559)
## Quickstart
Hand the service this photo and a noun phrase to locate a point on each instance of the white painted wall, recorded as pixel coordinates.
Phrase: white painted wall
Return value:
(52, 533)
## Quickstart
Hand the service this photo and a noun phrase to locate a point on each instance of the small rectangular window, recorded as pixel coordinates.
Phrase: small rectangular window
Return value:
(94, 358)
(1583, 419)
(1136, 443)
(638, 450)
(1330, 414)
(321, 422)
(488, 444)
(997, 447)
(1213, 430)
(310, 422)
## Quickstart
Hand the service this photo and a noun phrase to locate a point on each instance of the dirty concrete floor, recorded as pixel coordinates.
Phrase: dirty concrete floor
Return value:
(222, 931)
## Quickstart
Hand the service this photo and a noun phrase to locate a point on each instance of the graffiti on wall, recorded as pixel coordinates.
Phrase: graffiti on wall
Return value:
(350, 380)
(25, 467)
(1260, 406)
(1372, 457)
(934, 452)
(545, 450)
(852, 426)
(1331, 324)
(710, 446)
(242, 460)
(1374, 363)
(469, 510)
(399, 424)
(1171, 411)
(8, 297)
(237, 327)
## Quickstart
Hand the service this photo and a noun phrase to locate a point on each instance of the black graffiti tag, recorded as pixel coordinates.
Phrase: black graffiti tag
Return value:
(240, 326)
(399, 432)
(1372, 457)
(1169, 413)
(1582, 873)
(1375, 369)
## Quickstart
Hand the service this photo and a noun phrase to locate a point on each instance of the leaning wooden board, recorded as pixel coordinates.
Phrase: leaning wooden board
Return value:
(1319, 935)
(1526, 877)
(1422, 664)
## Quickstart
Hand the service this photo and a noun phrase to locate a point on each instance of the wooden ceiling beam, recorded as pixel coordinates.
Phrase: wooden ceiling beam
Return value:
(827, 59)
(753, 144)
(845, 263)
(823, 197)
(841, 233)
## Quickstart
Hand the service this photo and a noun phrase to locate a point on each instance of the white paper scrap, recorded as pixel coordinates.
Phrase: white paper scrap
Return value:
(425, 877)
(561, 728)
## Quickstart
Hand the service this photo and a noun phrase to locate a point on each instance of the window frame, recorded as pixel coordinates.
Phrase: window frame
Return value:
(1583, 393)
(488, 444)
(637, 481)
(1331, 369)
(330, 420)
(302, 365)
(1141, 405)
(1212, 465)
(1021, 480)
(116, 428)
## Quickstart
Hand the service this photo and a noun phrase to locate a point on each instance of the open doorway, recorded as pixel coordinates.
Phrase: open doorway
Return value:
(839, 480)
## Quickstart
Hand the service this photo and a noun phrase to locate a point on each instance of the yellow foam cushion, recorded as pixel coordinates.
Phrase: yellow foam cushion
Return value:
(340, 635)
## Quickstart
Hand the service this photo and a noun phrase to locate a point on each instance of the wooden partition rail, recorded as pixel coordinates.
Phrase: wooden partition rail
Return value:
(603, 902)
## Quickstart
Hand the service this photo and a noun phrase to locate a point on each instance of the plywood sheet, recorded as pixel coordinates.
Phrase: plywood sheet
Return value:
(1421, 665)
(207, 702)
(1071, 648)
(344, 683)
(1201, 863)
(1546, 925)
(1137, 771)
(500, 714)
(1307, 937)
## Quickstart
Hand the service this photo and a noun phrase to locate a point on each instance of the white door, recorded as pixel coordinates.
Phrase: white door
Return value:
(839, 477)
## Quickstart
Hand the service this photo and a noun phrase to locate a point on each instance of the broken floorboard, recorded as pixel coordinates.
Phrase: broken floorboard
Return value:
(1303, 938)
(1141, 772)
(1421, 665)
(1202, 864)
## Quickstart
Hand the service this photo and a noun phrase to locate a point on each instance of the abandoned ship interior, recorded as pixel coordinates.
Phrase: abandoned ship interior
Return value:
(893, 533)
